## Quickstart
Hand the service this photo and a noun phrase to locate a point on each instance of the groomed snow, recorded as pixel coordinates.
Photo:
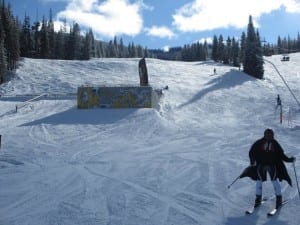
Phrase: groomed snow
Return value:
(172, 165)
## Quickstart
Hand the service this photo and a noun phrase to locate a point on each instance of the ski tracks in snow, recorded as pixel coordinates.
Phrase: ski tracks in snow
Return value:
(191, 206)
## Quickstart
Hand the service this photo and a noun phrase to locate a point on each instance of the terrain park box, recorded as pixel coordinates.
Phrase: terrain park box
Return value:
(116, 97)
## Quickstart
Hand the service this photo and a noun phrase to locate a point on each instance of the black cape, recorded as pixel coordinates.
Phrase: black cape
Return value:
(275, 157)
(251, 172)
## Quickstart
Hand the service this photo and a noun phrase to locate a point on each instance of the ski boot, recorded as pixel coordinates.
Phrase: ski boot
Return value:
(278, 201)
(257, 201)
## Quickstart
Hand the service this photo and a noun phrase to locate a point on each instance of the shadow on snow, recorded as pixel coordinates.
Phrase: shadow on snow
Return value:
(228, 80)
(84, 116)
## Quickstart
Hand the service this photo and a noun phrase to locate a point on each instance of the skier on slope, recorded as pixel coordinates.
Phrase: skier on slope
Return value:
(267, 156)
(278, 100)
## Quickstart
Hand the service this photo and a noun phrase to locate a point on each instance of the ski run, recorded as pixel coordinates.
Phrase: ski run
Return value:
(170, 165)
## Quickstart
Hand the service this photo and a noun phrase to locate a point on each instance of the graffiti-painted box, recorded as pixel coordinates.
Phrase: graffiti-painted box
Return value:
(115, 97)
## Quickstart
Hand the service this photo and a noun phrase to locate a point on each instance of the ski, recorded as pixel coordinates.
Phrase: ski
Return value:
(274, 211)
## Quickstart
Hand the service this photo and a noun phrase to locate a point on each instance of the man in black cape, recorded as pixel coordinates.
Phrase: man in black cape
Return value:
(267, 156)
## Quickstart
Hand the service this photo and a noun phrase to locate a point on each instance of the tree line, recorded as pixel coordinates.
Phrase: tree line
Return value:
(246, 52)
(9, 41)
(40, 40)
(229, 50)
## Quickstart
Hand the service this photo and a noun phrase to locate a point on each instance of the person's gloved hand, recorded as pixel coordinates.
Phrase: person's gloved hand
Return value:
(293, 159)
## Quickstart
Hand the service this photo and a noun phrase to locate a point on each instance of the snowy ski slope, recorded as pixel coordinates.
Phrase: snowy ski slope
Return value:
(64, 166)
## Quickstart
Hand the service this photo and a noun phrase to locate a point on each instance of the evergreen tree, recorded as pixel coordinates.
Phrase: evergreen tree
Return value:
(51, 36)
(205, 51)
(289, 45)
(221, 49)
(298, 42)
(77, 45)
(69, 46)
(88, 46)
(45, 49)
(214, 53)
(185, 55)
(242, 47)
(15, 49)
(140, 51)
(259, 58)
(279, 45)
(147, 53)
(11, 39)
(36, 40)
(122, 50)
(3, 60)
(115, 48)
(25, 38)
(235, 53)
(110, 52)
(92, 43)
(59, 45)
(253, 62)
(73, 46)
(100, 52)
(227, 53)
(132, 50)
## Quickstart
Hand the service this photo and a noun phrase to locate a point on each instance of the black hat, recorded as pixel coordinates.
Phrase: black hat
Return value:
(269, 131)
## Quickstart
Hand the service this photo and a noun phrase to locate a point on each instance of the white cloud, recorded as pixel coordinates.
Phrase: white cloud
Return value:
(166, 48)
(105, 17)
(208, 40)
(59, 25)
(162, 32)
(201, 15)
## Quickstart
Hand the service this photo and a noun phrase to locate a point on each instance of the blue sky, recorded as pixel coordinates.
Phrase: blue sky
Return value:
(168, 23)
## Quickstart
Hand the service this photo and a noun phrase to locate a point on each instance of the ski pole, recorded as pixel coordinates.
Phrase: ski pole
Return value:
(296, 178)
(233, 181)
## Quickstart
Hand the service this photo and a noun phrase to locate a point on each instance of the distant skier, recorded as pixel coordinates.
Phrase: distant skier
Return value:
(278, 100)
(215, 71)
(267, 156)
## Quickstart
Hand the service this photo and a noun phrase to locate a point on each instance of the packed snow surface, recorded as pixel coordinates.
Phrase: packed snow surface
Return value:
(60, 165)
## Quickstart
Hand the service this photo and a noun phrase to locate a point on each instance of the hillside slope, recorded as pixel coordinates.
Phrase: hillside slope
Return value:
(61, 165)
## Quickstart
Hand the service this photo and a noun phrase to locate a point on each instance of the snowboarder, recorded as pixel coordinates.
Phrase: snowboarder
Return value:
(267, 156)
